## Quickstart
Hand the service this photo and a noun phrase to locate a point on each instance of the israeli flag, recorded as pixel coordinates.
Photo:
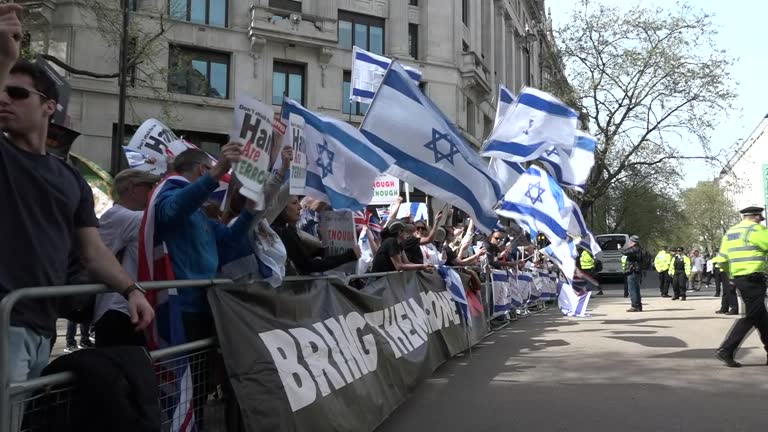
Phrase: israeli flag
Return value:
(505, 172)
(502, 293)
(538, 201)
(342, 164)
(368, 70)
(577, 228)
(571, 303)
(506, 99)
(572, 170)
(428, 150)
(417, 211)
(564, 255)
(536, 123)
(455, 287)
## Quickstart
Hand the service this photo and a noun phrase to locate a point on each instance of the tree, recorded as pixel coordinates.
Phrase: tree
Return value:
(650, 80)
(709, 212)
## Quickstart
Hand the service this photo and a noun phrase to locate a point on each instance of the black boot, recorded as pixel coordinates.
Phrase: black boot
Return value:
(727, 358)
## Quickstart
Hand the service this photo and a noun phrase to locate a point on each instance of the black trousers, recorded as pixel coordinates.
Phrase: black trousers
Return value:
(729, 301)
(719, 276)
(752, 289)
(114, 328)
(664, 280)
(679, 284)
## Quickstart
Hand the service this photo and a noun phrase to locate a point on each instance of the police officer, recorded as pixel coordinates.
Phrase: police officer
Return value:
(744, 248)
(587, 264)
(679, 271)
(661, 264)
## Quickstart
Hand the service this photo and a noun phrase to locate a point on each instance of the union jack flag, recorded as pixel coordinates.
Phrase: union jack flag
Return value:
(366, 218)
(167, 328)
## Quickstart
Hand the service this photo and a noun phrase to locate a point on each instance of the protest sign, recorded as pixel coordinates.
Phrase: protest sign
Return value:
(337, 234)
(386, 189)
(252, 128)
(157, 143)
(416, 210)
(295, 136)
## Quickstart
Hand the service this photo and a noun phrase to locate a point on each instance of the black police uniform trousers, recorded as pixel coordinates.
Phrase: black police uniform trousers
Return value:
(664, 281)
(729, 301)
(752, 288)
(679, 283)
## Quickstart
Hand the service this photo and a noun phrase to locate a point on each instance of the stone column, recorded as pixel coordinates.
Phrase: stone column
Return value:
(397, 29)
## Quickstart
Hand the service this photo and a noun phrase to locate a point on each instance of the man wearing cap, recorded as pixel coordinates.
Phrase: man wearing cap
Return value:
(680, 271)
(119, 230)
(744, 248)
(661, 264)
(633, 272)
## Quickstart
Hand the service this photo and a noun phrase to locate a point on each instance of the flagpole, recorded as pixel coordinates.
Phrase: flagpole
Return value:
(407, 192)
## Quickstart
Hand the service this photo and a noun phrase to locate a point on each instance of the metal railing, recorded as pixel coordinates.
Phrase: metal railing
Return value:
(11, 299)
(38, 396)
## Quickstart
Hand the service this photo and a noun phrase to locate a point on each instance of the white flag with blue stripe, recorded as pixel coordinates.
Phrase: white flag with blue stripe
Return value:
(532, 126)
(368, 70)
(577, 228)
(455, 287)
(416, 210)
(428, 150)
(342, 164)
(572, 170)
(564, 255)
(538, 201)
(505, 172)
(506, 99)
(572, 303)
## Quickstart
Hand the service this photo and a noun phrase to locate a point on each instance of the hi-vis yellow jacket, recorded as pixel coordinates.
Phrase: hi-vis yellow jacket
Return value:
(686, 260)
(744, 247)
(662, 261)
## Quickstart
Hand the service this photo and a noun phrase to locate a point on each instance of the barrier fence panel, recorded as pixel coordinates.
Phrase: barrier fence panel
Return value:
(51, 397)
(51, 392)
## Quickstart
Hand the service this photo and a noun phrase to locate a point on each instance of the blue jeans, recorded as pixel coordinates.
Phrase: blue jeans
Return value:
(633, 283)
(29, 353)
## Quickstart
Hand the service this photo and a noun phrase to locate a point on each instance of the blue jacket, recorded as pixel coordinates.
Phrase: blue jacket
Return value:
(192, 238)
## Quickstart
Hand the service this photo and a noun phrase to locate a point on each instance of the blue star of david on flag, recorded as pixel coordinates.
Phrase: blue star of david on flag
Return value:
(553, 151)
(324, 159)
(537, 190)
(438, 136)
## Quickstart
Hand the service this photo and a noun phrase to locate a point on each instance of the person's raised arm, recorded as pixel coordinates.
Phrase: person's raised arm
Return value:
(393, 210)
(428, 239)
(185, 201)
(10, 38)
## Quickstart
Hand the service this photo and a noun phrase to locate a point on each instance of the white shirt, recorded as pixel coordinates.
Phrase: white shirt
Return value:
(698, 264)
(119, 230)
(710, 266)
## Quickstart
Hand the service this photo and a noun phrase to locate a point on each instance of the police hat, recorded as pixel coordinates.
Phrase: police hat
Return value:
(751, 211)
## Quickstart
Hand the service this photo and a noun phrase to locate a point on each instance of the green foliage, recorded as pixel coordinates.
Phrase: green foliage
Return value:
(709, 213)
(651, 80)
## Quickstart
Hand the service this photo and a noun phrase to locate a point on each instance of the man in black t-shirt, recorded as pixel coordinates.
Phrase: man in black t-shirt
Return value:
(389, 256)
(47, 211)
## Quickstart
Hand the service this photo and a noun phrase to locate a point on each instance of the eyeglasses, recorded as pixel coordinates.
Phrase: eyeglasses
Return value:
(21, 93)
(497, 238)
(421, 228)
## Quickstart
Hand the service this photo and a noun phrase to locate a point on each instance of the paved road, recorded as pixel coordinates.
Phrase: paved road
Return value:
(615, 371)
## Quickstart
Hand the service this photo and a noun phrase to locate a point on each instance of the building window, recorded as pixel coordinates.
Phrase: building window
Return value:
(471, 117)
(210, 12)
(526, 66)
(413, 40)
(364, 31)
(464, 46)
(287, 80)
(465, 12)
(288, 5)
(413, 2)
(347, 106)
(199, 73)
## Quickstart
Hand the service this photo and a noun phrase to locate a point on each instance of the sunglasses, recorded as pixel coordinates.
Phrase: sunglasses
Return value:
(21, 93)
(497, 238)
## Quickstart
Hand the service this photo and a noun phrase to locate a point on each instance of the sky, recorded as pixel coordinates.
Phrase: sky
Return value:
(742, 32)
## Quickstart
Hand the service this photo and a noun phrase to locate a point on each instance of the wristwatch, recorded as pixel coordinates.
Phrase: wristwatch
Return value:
(132, 288)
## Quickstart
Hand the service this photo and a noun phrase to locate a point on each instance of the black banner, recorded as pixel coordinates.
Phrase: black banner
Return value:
(319, 355)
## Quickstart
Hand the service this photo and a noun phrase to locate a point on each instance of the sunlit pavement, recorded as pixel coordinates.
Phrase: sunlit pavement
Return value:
(615, 371)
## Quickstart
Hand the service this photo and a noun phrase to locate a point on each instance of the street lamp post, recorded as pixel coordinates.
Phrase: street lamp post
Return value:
(117, 145)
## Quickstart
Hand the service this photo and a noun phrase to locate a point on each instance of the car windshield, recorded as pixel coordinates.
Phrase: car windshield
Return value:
(611, 242)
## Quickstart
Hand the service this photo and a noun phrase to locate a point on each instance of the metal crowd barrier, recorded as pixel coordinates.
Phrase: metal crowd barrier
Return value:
(33, 398)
